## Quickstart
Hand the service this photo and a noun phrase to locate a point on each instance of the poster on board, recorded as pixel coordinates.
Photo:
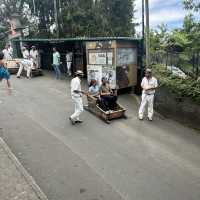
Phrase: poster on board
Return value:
(126, 56)
(94, 72)
(96, 58)
(110, 58)
(97, 72)
(109, 73)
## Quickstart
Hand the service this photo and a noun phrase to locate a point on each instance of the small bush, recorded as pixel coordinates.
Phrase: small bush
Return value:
(182, 87)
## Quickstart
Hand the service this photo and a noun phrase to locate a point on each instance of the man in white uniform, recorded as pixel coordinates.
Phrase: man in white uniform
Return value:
(8, 52)
(25, 53)
(69, 62)
(34, 56)
(25, 63)
(77, 94)
(149, 85)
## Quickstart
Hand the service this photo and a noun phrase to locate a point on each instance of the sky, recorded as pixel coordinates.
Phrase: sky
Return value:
(170, 12)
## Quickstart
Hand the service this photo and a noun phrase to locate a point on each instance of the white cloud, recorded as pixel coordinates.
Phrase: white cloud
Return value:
(168, 12)
(166, 16)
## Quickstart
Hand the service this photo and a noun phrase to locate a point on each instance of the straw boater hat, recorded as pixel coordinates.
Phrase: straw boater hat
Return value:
(79, 73)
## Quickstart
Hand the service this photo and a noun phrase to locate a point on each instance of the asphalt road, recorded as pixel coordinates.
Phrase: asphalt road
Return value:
(128, 159)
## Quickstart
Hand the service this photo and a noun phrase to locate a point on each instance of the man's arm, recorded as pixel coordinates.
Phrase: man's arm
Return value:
(143, 84)
(104, 94)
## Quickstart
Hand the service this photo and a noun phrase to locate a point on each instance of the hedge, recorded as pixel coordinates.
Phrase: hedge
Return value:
(188, 87)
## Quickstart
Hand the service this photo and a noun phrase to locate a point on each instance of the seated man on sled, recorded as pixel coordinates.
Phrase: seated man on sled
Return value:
(94, 88)
(108, 96)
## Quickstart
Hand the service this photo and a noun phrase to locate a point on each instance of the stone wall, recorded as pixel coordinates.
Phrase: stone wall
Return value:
(181, 109)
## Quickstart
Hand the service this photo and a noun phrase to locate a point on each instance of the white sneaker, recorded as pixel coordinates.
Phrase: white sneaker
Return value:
(140, 118)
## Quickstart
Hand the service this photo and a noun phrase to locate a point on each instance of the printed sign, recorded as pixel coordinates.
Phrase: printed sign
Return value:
(96, 58)
(100, 58)
(94, 72)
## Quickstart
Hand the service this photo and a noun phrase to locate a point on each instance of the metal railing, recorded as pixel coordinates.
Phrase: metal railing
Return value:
(188, 62)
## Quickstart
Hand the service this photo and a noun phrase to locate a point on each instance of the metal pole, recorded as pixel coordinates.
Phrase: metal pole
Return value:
(143, 42)
(56, 18)
(143, 33)
(34, 9)
(147, 34)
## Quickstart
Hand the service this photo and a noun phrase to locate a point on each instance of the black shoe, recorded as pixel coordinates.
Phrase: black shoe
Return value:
(79, 121)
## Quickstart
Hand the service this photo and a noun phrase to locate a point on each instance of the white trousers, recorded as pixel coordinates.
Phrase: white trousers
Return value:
(35, 63)
(26, 66)
(146, 99)
(78, 104)
(69, 64)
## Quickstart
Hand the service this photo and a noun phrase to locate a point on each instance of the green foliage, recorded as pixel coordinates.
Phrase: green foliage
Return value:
(2, 44)
(159, 38)
(76, 18)
(98, 18)
(180, 47)
(179, 40)
(192, 5)
(182, 87)
(119, 15)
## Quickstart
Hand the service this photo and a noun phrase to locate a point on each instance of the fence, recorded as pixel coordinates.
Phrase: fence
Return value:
(188, 62)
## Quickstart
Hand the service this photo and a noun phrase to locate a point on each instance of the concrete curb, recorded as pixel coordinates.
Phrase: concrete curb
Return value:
(29, 179)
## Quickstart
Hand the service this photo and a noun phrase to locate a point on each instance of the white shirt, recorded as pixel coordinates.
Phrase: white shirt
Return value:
(7, 55)
(69, 57)
(10, 51)
(76, 85)
(34, 54)
(26, 54)
(149, 83)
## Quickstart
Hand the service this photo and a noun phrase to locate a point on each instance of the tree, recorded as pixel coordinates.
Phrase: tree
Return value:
(9, 7)
(119, 15)
(192, 5)
(43, 13)
(159, 38)
(98, 18)
(78, 18)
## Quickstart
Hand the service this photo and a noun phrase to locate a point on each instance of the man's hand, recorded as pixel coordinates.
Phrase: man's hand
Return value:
(80, 92)
(149, 88)
(105, 94)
